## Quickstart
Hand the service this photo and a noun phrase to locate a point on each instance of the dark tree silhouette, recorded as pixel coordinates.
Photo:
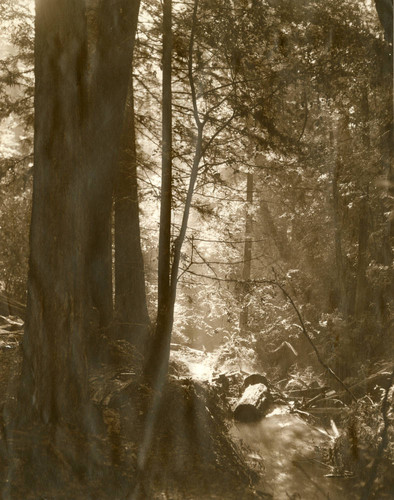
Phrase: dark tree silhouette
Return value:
(78, 126)
(54, 378)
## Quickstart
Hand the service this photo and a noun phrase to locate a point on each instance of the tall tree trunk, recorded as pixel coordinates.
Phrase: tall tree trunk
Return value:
(363, 231)
(164, 323)
(157, 361)
(340, 264)
(362, 259)
(387, 146)
(279, 238)
(130, 297)
(156, 368)
(54, 375)
(247, 260)
(385, 301)
(116, 28)
(157, 364)
(77, 133)
(384, 298)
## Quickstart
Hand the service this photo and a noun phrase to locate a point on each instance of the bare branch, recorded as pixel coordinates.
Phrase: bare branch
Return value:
(301, 321)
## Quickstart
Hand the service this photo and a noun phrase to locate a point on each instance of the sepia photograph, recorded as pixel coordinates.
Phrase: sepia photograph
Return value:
(196, 250)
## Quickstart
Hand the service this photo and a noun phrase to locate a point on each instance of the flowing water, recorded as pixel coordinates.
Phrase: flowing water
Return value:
(289, 450)
(291, 453)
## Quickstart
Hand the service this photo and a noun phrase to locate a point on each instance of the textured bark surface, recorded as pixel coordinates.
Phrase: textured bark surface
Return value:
(130, 298)
(54, 378)
(78, 124)
(158, 357)
(339, 257)
(361, 305)
(116, 28)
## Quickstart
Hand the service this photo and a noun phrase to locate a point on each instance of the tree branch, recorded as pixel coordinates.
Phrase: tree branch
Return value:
(301, 321)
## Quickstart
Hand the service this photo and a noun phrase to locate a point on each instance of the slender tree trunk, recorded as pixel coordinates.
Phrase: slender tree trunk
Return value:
(160, 348)
(116, 28)
(156, 368)
(157, 361)
(54, 375)
(362, 259)
(247, 260)
(385, 302)
(163, 292)
(384, 297)
(387, 147)
(130, 297)
(279, 238)
(340, 264)
(363, 232)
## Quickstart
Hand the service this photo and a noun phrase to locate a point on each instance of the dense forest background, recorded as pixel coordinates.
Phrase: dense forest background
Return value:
(193, 192)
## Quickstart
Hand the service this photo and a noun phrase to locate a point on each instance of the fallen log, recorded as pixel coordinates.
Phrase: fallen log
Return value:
(255, 378)
(309, 392)
(326, 411)
(253, 404)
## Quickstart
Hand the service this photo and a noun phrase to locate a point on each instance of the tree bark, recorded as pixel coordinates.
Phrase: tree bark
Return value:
(164, 268)
(279, 238)
(78, 123)
(362, 260)
(157, 361)
(363, 231)
(116, 29)
(387, 148)
(385, 301)
(130, 297)
(340, 264)
(54, 375)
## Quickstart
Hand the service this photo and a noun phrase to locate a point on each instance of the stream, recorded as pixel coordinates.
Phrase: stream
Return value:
(290, 451)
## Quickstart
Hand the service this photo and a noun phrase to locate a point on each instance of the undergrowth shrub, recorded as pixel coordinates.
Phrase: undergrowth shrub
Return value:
(356, 448)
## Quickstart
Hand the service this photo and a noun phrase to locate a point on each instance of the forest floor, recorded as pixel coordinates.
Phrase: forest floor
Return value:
(290, 450)
(199, 452)
(314, 443)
